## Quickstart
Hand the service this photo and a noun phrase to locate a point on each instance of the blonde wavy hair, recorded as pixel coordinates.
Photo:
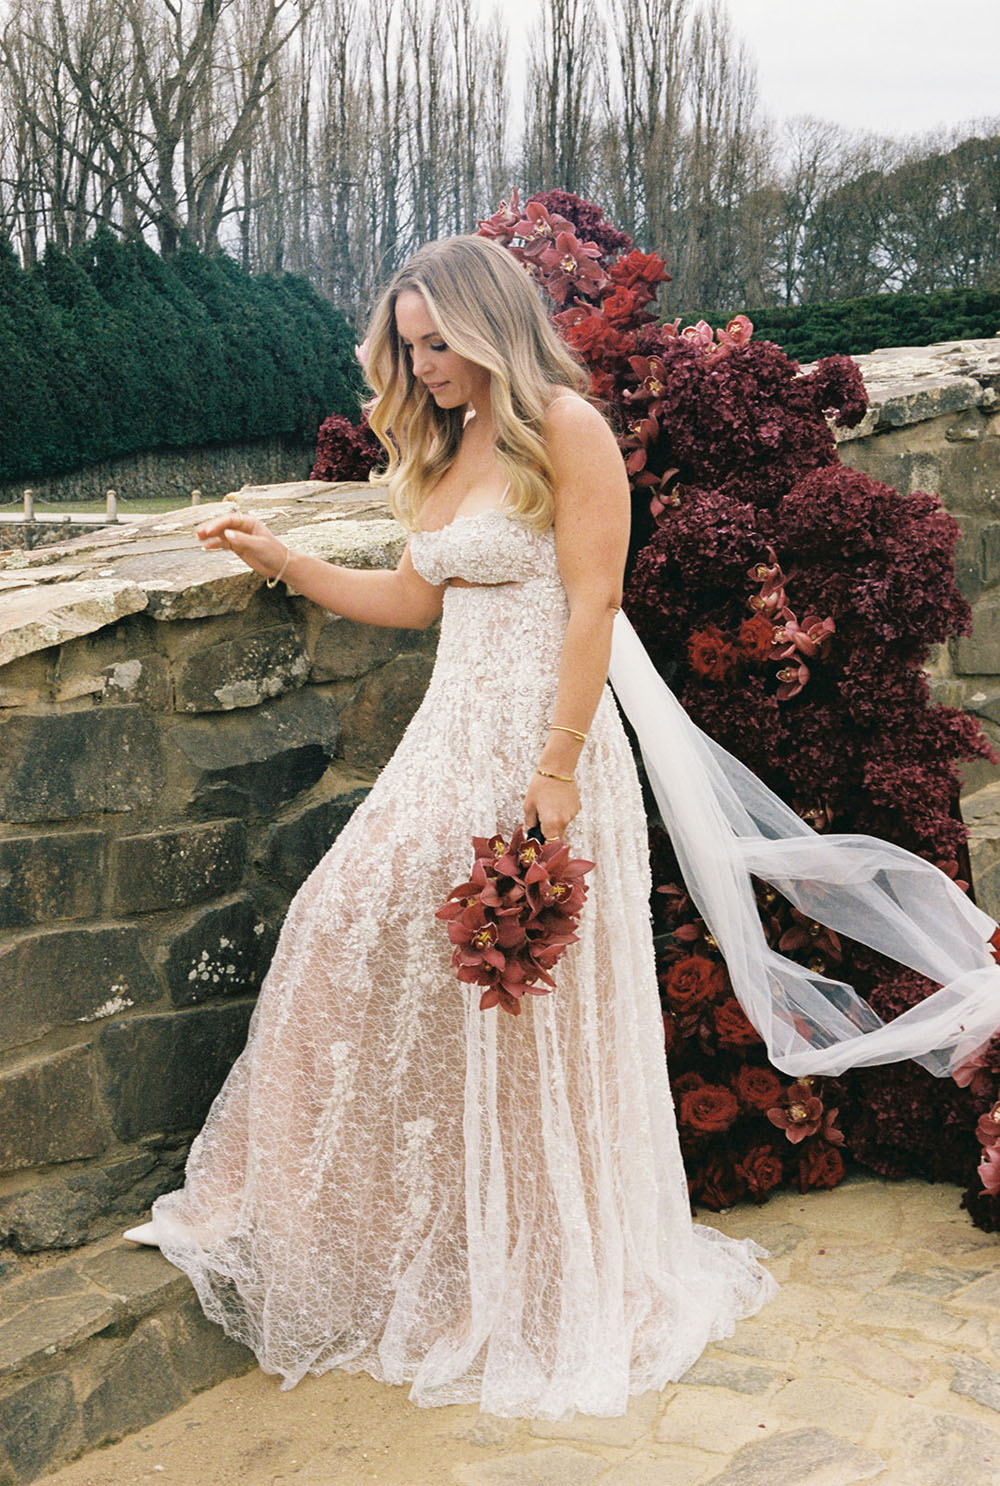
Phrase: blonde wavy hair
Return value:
(488, 310)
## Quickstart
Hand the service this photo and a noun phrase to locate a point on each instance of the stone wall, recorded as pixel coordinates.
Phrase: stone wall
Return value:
(213, 470)
(934, 424)
(178, 747)
(43, 531)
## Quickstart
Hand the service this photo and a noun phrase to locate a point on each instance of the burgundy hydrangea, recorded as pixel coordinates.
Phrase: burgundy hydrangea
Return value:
(345, 451)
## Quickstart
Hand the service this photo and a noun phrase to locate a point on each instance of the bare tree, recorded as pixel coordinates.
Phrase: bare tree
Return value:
(559, 135)
(815, 154)
(331, 138)
(492, 133)
(77, 162)
(725, 162)
(643, 99)
(845, 251)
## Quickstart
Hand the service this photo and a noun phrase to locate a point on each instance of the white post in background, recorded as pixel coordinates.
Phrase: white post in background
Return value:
(196, 497)
(111, 509)
(29, 504)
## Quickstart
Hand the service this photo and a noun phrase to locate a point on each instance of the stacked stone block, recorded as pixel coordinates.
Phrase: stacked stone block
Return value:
(167, 781)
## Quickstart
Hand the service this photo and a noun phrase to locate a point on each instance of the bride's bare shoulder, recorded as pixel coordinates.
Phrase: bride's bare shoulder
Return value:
(570, 413)
(573, 424)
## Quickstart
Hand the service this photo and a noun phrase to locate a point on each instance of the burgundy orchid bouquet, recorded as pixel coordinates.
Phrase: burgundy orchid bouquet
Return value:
(514, 918)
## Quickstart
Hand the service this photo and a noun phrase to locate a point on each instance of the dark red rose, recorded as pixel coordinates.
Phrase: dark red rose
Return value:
(691, 981)
(711, 654)
(635, 270)
(757, 1088)
(622, 304)
(762, 1170)
(756, 641)
(733, 1027)
(820, 1165)
(709, 1110)
(717, 1184)
(595, 336)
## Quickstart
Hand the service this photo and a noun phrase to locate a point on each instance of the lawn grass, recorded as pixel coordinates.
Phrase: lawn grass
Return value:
(148, 505)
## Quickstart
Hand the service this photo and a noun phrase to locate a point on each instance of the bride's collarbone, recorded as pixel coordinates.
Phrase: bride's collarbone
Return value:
(465, 489)
(470, 501)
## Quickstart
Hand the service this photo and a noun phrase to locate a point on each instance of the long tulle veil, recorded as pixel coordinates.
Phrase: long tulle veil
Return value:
(725, 825)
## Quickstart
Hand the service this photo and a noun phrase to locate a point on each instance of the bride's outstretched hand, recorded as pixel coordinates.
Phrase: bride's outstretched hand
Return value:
(250, 539)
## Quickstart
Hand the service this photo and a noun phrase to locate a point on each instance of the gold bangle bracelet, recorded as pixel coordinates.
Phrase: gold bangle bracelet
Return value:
(547, 774)
(273, 582)
(557, 727)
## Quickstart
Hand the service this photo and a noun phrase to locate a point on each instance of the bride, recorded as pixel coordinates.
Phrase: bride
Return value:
(491, 1207)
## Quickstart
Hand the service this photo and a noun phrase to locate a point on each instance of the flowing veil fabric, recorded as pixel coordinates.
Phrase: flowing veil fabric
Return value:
(725, 825)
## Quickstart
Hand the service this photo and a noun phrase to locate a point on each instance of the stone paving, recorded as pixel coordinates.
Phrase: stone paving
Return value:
(878, 1361)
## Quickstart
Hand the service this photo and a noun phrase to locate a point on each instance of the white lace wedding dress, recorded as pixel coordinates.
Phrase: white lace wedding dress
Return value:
(493, 1207)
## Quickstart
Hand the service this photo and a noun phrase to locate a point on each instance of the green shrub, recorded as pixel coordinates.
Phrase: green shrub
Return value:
(856, 326)
(111, 349)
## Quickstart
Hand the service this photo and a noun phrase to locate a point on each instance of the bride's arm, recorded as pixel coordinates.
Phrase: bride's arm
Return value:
(591, 532)
(400, 599)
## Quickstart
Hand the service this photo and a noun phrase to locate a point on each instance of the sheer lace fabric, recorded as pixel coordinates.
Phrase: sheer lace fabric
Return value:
(492, 1207)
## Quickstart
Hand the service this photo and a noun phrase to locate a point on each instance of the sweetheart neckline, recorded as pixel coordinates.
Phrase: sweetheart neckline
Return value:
(465, 516)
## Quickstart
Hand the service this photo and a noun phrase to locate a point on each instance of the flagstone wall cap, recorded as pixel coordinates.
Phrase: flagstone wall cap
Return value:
(911, 384)
(36, 618)
(154, 563)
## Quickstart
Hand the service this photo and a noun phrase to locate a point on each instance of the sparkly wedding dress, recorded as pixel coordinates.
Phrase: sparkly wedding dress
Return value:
(491, 1207)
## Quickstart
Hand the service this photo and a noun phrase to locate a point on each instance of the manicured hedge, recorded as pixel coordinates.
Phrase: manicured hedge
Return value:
(856, 326)
(111, 349)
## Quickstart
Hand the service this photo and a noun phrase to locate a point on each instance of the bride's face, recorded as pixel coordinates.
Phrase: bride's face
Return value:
(452, 380)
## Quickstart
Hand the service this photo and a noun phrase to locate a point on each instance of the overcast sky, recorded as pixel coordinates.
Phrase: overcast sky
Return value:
(892, 66)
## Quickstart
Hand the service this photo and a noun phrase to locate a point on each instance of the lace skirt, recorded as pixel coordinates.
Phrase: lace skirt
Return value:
(491, 1207)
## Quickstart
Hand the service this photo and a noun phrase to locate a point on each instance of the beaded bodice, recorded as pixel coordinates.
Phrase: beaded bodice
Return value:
(489, 546)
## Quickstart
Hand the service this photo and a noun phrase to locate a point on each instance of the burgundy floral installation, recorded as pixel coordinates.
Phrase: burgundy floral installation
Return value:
(514, 919)
(791, 602)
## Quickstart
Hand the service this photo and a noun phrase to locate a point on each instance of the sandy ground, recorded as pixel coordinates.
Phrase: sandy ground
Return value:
(879, 1360)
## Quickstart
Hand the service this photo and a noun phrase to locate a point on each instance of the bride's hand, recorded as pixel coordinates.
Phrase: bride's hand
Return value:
(250, 539)
(550, 804)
